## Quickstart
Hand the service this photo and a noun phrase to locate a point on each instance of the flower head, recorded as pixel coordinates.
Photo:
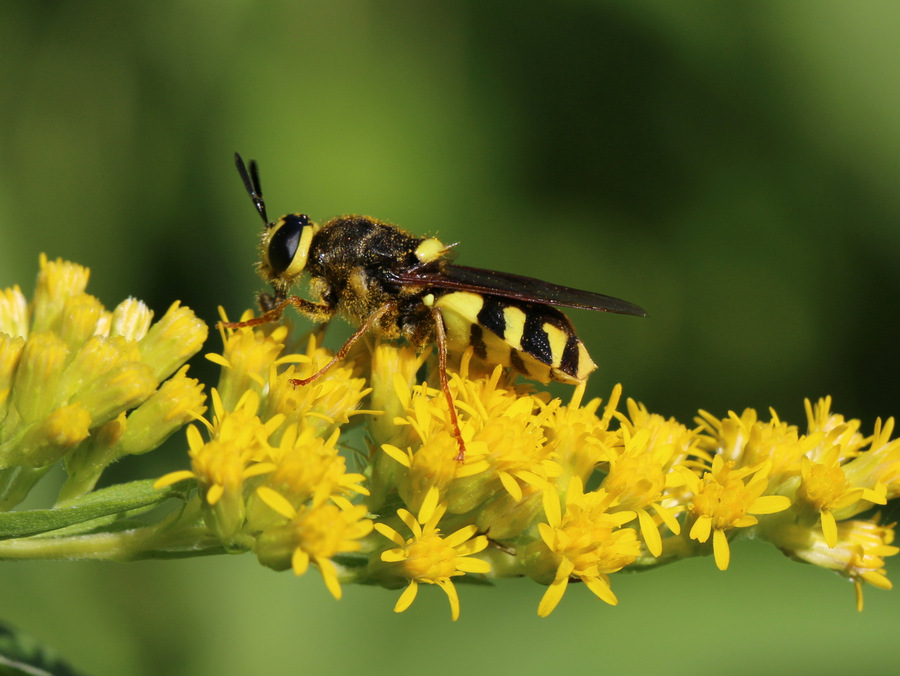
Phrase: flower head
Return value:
(859, 553)
(585, 541)
(430, 558)
(722, 502)
(316, 532)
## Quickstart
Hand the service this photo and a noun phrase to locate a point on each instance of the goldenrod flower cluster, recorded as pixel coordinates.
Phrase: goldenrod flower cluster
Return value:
(357, 472)
(85, 386)
(552, 491)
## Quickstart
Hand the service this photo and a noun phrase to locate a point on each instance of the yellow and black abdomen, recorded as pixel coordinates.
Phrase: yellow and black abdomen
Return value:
(534, 339)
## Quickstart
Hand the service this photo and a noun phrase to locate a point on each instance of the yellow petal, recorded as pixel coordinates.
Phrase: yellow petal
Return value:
(449, 589)
(276, 501)
(650, 533)
(407, 597)
(701, 528)
(552, 596)
(721, 550)
(829, 528)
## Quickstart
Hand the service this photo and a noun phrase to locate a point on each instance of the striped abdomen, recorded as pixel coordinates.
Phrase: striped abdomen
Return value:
(534, 339)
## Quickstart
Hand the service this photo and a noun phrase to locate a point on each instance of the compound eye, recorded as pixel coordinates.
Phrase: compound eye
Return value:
(287, 247)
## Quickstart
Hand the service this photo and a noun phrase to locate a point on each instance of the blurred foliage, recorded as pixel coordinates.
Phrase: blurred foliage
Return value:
(731, 167)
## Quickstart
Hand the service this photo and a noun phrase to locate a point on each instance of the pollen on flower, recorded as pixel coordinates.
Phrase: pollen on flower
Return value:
(426, 459)
(747, 441)
(222, 465)
(580, 439)
(505, 438)
(238, 449)
(637, 479)
(825, 488)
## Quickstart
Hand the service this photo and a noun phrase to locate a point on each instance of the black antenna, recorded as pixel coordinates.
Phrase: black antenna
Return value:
(251, 183)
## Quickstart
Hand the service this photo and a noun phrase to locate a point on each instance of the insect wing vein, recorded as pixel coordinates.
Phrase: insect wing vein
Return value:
(477, 280)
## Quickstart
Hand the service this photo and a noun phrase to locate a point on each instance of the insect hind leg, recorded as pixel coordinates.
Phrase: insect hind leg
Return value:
(441, 336)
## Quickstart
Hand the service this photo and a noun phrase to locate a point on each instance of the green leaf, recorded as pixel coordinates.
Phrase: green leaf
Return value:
(106, 504)
(20, 654)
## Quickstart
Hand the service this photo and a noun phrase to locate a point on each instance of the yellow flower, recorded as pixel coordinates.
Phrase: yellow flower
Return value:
(238, 449)
(879, 465)
(825, 488)
(394, 369)
(723, 502)
(177, 401)
(14, 313)
(70, 371)
(858, 555)
(748, 441)
(637, 479)
(430, 459)
(250, 361)
(505, 442)
(176, 337)
(306, 466)
(429, 558)
(843, 433)
(586, 542)
(565, 492)
(579, 439)
(316, 532)
(325, 404)
(246, 359)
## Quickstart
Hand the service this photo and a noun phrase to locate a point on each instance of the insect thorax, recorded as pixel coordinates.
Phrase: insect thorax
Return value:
(350, 261)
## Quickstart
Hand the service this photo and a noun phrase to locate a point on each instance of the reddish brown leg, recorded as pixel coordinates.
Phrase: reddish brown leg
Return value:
(345, 348)
(445, 385)
(315, 311)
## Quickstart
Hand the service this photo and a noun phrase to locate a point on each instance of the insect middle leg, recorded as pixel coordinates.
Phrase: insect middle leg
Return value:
(341, 354)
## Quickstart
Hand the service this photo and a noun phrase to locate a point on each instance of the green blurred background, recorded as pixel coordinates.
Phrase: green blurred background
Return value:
(732, 167)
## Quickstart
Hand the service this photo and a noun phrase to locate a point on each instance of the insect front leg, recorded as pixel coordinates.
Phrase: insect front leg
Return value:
(441, 335)
(317, 312)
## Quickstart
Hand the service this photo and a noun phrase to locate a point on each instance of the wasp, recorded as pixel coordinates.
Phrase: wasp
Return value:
(385, 280)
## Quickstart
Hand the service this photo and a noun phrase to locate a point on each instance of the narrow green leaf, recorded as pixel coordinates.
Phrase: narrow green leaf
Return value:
(115, 501)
